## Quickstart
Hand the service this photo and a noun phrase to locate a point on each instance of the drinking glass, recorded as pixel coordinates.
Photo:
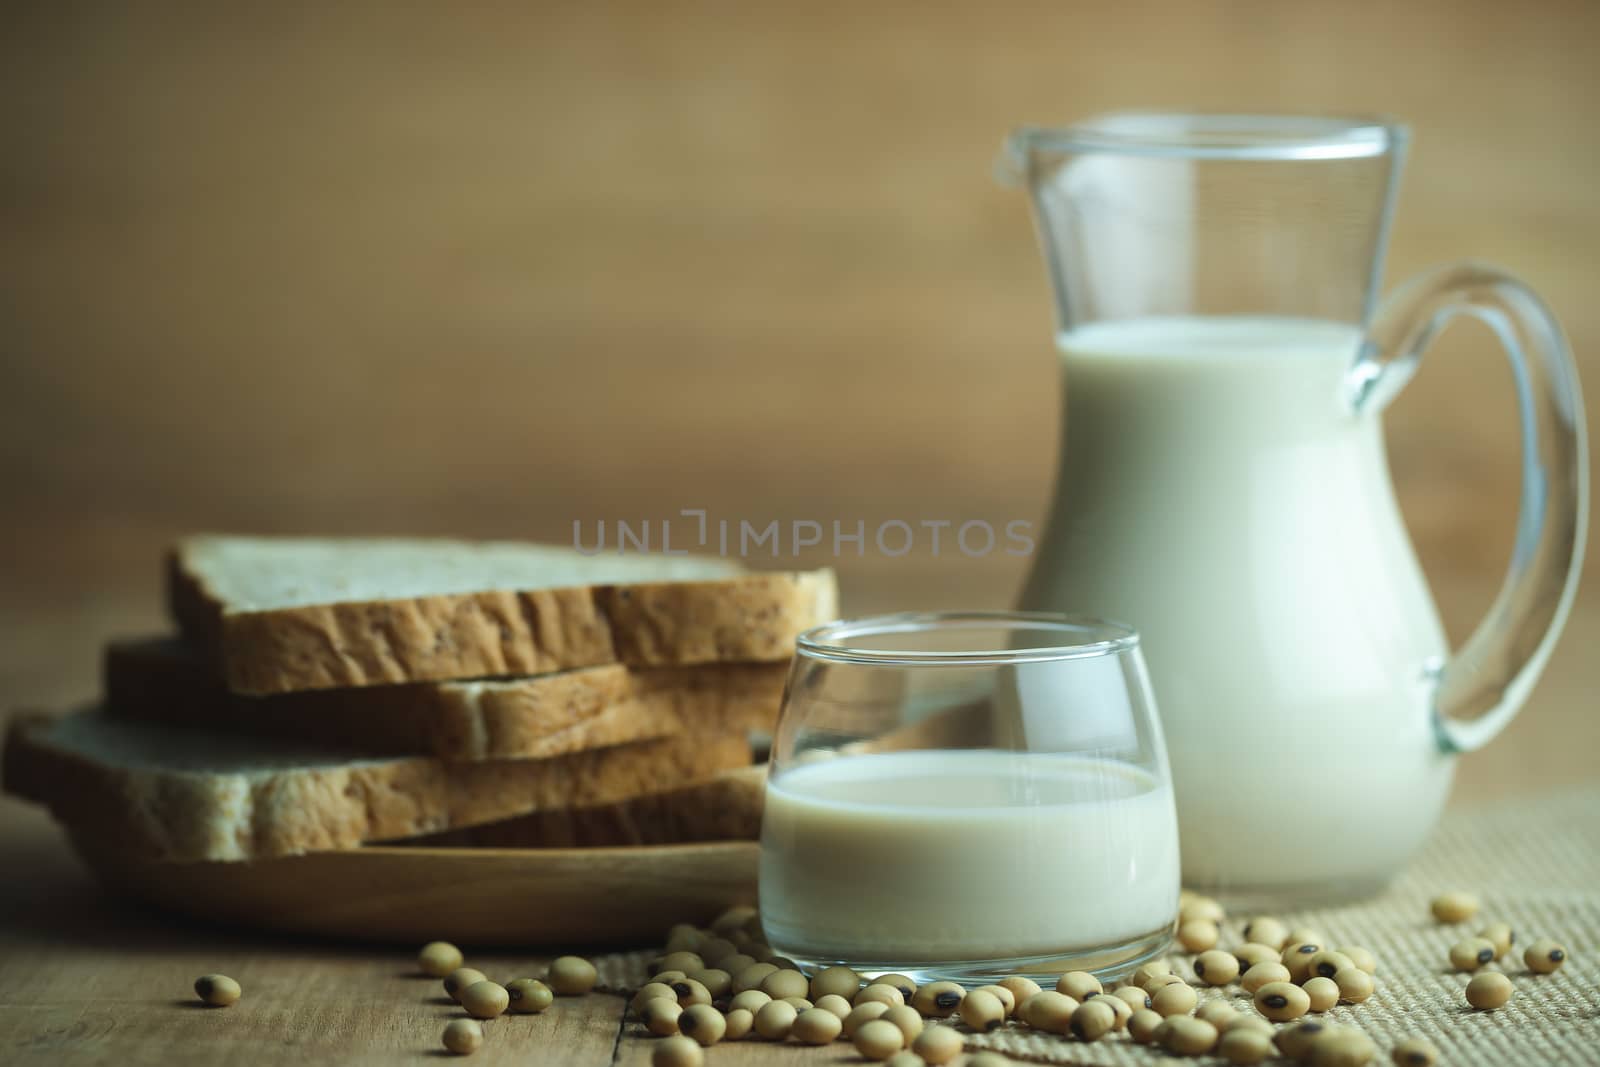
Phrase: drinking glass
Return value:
(967, 796)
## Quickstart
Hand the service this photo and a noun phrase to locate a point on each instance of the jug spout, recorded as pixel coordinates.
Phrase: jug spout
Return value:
(1143, 214)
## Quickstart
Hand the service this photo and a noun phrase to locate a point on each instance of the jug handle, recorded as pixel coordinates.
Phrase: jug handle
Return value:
(1481, 687)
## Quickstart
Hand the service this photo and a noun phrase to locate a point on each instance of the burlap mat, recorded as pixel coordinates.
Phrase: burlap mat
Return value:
(1534, 864)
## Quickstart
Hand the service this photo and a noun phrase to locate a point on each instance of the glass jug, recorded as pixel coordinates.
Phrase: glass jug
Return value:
(1223, 484)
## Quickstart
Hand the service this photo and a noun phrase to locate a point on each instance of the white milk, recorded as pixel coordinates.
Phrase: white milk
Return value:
(1217, 494)
(928, 857)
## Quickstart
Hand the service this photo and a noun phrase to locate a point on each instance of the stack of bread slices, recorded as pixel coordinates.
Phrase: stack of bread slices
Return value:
(324, 694)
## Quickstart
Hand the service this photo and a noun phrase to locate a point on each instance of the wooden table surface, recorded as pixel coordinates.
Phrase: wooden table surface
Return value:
(88, 978)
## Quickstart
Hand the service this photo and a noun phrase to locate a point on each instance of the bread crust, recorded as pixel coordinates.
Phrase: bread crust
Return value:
(182, 815)
(750, 617)
(161, 680)
(725, 807)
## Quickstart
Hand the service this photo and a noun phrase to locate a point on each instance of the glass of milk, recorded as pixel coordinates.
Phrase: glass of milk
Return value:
(968, 796)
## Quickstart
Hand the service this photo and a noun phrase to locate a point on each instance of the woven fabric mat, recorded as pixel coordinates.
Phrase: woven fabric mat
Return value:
(1533, 863)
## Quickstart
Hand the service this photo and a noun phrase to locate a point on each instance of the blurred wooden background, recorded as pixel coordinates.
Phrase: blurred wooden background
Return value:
(484, 270)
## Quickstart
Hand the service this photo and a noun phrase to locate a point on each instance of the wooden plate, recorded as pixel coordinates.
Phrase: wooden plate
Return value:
(531, 897)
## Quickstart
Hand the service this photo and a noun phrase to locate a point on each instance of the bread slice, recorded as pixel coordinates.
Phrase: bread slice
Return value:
(285, 614)
(188, 795)
(163, 680)
(726, 807)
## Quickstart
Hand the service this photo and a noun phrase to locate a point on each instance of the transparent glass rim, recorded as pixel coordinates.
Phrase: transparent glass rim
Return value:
(1221, 136)
(1082, 637)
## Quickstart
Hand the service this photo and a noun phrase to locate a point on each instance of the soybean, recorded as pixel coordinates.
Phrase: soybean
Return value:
(1544, 957)
(458, 980)
(677, 1052)
(462, 1036)
(1198, 935)
(1021, 988)
(1188, 1037)
(878, 1040)
(217, 990)
(736, 963)
(1323, 992)
(1471, 953)
(983, 1011)
(1049, 1011)
(775, 1020)
(529, 996)
(1202, 908)
(907, 987)
(1251, 954)
(1079, 985)
(1489, 991)
(752, 976)
(1415, 1052)
(1119, 1008)
(938, 1000)
(1297, 957)
(674, 961)
(649, 991)
(1454, 907)
(572, 976)
(1007, 999)
(691, 992)
(1244, 1046)
(838, 981)
(1342, 1047)
(1500, 936)
(1355, 985)
(715, 951)
(906, 1018)
(1262, 973)
(661, 1016)
(439, 958)
(1143, 974)
(1218, 1013)
(1216, 967)
(798, 1003)
(1361, 958)
(862, 1015)
(1295, 1041)
(1142, 1026)
(1327, 963)
(1132, 996)
(938, 1045)
(1282, 1001)
(816, 1026)
(1266, 931)
(832, 1002)
(1093, 1020)
(888, 994)
(485, 999)
(703, 1023)
(737, 1024)
(780, 984)
(1177, 999)
(718, 983)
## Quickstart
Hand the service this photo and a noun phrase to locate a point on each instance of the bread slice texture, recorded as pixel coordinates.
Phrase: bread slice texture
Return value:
(284, 614)
(163, 680)
(184, 795)
(725, 807)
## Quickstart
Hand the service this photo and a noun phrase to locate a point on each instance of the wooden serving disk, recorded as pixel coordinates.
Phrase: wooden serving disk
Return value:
(524, 897)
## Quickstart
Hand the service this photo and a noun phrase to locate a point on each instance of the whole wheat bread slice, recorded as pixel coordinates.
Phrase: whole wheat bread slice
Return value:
(163, 680)
(286, 614)
(725, 807)
(187, 795)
